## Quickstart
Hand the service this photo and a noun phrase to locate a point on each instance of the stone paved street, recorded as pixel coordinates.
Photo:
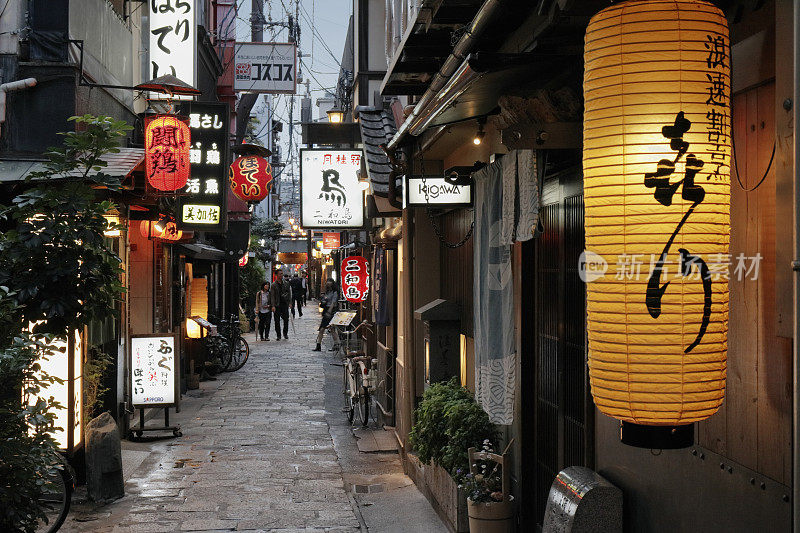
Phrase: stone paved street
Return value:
(257, 454)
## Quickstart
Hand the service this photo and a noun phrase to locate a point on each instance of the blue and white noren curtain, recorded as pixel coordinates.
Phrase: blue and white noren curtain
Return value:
(506, 210)
(493, 306)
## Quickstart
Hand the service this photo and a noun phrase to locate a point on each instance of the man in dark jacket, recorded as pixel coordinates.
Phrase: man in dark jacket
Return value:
(281, 296)
(297, 295)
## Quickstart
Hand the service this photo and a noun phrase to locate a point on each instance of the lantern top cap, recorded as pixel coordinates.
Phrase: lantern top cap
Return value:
(168, 84)
(245, 149)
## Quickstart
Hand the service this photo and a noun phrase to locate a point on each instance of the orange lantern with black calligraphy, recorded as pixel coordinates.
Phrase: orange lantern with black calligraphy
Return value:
(656, 175)
(251, 178)
(167, 142)
(164, 230)
(355, 278)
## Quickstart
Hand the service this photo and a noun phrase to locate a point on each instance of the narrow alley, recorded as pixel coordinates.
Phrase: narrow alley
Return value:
(265, 449)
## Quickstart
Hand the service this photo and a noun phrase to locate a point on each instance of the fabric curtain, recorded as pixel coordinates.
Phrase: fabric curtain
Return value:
(495, 357)
(520, 196)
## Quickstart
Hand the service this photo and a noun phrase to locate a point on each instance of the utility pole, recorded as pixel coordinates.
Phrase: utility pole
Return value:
(247, 101)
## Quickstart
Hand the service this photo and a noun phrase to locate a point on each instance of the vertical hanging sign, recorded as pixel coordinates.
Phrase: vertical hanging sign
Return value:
(172, 39)
(154, 377)
(202, 203)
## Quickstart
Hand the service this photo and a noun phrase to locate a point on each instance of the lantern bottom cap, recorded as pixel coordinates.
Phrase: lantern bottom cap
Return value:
(657, 437)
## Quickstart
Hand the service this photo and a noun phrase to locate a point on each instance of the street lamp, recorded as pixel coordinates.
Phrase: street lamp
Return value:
(335, 115)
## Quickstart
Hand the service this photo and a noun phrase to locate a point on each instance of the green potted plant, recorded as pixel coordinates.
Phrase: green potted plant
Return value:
(489, 503)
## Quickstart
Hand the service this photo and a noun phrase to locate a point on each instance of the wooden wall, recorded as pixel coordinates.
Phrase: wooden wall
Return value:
(753, 427)
(457, 265)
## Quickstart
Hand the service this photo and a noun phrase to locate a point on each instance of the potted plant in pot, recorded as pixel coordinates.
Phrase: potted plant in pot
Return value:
(489, 503)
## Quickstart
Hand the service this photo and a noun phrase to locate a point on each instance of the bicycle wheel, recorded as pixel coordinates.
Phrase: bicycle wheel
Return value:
(362, 400)
(241, 352)
(55, 500)
(349, 408)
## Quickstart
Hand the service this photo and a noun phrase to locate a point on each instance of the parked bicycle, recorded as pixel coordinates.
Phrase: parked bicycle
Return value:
(359, 375)
(227, 350)
(56, 497)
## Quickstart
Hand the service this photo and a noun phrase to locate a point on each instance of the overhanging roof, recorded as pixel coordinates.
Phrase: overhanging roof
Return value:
(377, 128)
(117, 164)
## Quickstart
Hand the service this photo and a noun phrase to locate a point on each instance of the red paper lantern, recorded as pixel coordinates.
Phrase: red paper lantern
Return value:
(251, 178)
(169, 232)
(243, 260)
(355, 278)
(167, 141)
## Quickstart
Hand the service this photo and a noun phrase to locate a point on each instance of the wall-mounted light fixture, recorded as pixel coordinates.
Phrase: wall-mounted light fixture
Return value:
(480, 134)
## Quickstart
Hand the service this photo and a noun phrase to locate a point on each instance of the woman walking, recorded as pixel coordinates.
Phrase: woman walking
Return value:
(264, 309)
(330, 304)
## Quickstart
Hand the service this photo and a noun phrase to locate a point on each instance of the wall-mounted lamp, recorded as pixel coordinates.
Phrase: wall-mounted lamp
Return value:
(480, 134)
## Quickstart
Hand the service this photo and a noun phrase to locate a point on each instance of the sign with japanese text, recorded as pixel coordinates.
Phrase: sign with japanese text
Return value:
(203, 199)
(293, 258)
(330, 194)
(265, 68)
(153, 375)
(355, 278)
(426, 191)
(172, 39)
(201, 215)
(331, 240)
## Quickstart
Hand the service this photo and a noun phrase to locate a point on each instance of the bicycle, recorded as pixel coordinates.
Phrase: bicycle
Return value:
(56, 496)
(237, 349)
(359, 376)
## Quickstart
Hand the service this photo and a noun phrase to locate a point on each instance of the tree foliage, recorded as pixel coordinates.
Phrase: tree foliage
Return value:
(264, 236)
(57, 273)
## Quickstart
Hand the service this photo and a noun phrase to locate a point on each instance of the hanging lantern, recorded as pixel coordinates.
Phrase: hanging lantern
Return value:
(355, 278)
(656, 166)
(167, 143)
(163, 229)
(251, 178)
(243, 260)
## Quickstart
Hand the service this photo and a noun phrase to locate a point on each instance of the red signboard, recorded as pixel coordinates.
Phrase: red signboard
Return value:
(251, 178)
(331, 241)
(243, 260)
(355, 278)
(167, 142)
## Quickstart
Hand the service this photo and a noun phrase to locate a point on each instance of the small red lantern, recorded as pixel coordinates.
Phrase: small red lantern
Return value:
(251, 178)
(167, 231)
(167, 141)
(243, 260)
(355, 278)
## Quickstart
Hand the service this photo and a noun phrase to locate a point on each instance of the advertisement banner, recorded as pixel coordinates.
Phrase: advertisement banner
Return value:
(330, 195)
(265, 68)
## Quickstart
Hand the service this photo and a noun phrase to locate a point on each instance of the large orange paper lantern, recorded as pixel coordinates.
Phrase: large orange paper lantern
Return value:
(656, 165)
(167, 142)
(251, 178)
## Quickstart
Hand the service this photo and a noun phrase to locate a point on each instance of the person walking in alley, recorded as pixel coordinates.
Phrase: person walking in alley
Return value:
(280, 298)
(304, 284)
(264, 309)
(297, 295)
(329, 302)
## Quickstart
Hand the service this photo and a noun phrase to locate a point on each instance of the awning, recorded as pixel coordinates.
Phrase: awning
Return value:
(377, 128)
(119, 164)
(202, 251)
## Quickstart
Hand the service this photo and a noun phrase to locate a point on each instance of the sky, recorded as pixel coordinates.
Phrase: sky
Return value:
(323, 29)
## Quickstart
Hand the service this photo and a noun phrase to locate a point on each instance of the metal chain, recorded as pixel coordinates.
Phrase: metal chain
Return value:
(436, 228)
(441, 237)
